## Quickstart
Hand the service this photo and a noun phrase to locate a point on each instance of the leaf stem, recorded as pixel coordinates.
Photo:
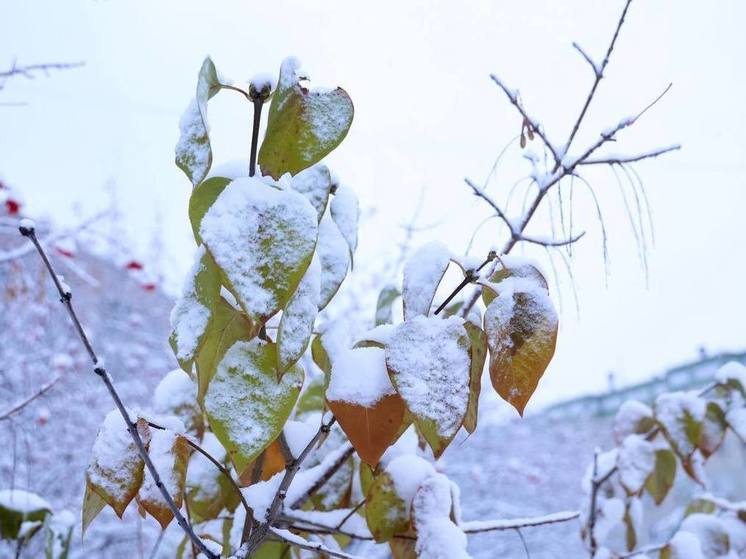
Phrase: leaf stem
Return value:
(258, 103)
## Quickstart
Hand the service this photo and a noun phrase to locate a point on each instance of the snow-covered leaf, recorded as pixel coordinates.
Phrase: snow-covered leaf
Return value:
(169, 453)
(422, 274)
(478, 355)
(683, 545)
(519, 268)
(712, 534)
(115, 471)
(315, 183)
(681, 415)
(193, 152)
(303, 125)
(437, 536)
(334, 256)
(633, 418)
(176, 394)
(345, 211)
(363, 400)
(661, 480)
(246, 406)
(18, 507)
(203, 196)
(636, 461)
(389, 497)
(386, 298)
(714, 426)
(227, 325)
(429, 363)
(521, 326)
(736, 419)
(262, 239)
(191, 313)
(298, 318)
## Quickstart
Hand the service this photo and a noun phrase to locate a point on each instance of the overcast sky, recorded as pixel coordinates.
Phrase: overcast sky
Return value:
(426, 115)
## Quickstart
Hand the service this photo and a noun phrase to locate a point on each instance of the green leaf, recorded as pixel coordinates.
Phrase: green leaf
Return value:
(208, 491)
(246, 406)
(18, 506)
(334, 257)
(478, 355)
(422, 274)
(312, 398)
(315, 183)
(262, 239)
(193, 151)
(203, 196)
(298, 318)
(92, 505)
(192, 311)
(303, 125)
(170, 453)
(115, 471)
(386, 513)
(386, 299)
(521, 326)
(429, 363)
(227, 326)
(661, 480)
(702, 506)
(321, 357)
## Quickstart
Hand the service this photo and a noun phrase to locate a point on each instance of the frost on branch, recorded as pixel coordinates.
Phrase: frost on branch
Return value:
(422, 274)
(262, 239)
(363, 400)
(429, 363)
(245, 404)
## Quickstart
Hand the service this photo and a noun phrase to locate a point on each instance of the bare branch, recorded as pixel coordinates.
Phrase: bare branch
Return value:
(551, 242)
(324, 478)
(620, 159)
(480, 526)
(480, 193)
(599, 72)
(18, 406)
(29, 70)
(589, 60)
(28, 230)
(535, 126)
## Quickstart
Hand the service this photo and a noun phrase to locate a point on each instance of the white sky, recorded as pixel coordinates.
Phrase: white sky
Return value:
(427, 115)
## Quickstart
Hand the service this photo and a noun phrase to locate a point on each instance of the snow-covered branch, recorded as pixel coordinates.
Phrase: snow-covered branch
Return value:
(478, 526)
(618, 159)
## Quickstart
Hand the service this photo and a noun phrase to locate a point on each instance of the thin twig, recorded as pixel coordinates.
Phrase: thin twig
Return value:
(551, 242)
(66, 299)
(479, 192)
(26, 401)
(299, 542)
(349, 514)
(29, 70)
(335, 466)
(620, 159)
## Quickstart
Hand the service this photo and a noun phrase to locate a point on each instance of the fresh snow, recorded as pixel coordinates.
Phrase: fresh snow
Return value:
(246, 217)
(314, 183)
(408, 472)
(437, 536)
(189, 316)
(430, 363)
(359, 376)
(685, 545)
(161, 452)
(422, 274)
(175, 390)
(262, 80)
(381, 334)
(732, 370)
(672, 410)
(298, 318)
(345, 210)
(203, 478)
(334, 256)
(628, 417)
(636, 461)
(193, 147)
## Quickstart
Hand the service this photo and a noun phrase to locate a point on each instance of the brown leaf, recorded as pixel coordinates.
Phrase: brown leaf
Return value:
(478, 354)
(371, 430)
(170, 454)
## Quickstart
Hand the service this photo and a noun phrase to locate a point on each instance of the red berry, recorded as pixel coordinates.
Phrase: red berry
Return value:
(12, 206)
